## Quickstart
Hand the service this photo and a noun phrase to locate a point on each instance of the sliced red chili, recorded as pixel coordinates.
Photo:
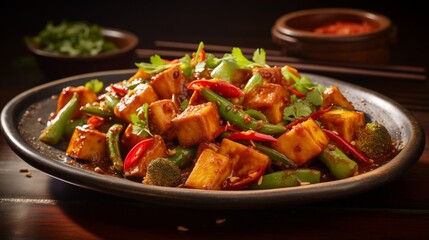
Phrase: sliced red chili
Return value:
(171, 61)
(297, 93)
(219, 86)
(346, 146)
(252, 135)
(201, 57)
(136, 153)
(241, 182)
(119, 90)
(96, 121)
(314, 115)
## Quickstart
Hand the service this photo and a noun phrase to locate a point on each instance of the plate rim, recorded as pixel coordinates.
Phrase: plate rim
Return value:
(213, 199)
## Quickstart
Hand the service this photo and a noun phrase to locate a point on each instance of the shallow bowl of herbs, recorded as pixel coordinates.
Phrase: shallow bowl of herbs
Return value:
(71, 48)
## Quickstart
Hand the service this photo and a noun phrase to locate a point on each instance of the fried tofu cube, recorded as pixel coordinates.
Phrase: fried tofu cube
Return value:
(212, 145)
(245, 160)
(303, 142)
(139, 75)
(169, 82)
(87, 144)
(130, 138)
(240, 76)
(161, 113)
(270, 99)
(333, 96)
(196, 98)
(158, 149)
(344, 122)
(134, 99)
(198, 123)
(210, 171)
(86, 95)
(274, 75)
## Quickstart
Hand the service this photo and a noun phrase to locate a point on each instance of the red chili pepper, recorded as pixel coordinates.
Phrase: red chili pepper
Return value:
(252, 135)
(96, 121)
(346, 146)
(118, 90)
(219, 86)
(136, 153)
(171, 61)
(296, 92)
(240, 182)
(313, 116)
(201, 57)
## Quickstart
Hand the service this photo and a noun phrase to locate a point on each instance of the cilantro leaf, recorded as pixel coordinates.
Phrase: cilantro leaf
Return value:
(316, 95)
(77, 38)
(212, 61)
(95, 85)
(259, 56)
(243, 62)
(225, 69)
(156, 65)
(298, 109)
(140, 126)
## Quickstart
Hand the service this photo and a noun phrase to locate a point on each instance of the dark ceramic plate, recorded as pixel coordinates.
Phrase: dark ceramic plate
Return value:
(21, 125)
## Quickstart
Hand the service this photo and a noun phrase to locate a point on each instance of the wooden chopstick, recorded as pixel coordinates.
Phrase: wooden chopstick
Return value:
(210, 47)
(276, 55)
(145, 53)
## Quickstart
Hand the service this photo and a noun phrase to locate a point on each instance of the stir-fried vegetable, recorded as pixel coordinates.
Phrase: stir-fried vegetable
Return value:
(238, 117)
(53, 133)
(216, 123)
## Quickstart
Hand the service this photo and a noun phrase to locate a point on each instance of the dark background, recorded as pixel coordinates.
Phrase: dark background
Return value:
(242, 24)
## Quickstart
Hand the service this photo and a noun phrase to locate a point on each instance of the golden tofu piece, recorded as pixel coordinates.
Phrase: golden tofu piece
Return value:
(134, 99)
(169, 82)
(210, 171)
(240, 76)
(303, 142)
(158, 149)
(86, 95)
(274, 75)
(333, 96)
(212, 145)
(161, 113)
(140, 74)
(87, 144)
(198, 123)
(270, 99)
(196, 99)
(245, 159)
(129, 138)
(344, 122)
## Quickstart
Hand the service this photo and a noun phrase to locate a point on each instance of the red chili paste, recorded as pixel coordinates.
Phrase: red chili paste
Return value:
(345, 28)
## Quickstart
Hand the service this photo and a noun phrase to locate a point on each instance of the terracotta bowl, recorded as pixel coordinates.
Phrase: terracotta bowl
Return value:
(295, 34)
(56, 66)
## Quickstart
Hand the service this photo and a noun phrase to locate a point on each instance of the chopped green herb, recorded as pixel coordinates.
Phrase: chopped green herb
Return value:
(156, 65)
(95, 85)
(300, 108)
(72, 39)
(141, 126)
(243, 62)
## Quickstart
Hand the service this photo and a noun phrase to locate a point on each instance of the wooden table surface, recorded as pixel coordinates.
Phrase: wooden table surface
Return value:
(42, 207)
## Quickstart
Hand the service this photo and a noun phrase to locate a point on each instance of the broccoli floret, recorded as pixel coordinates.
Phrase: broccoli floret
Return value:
(374, 140)
(162, 172)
